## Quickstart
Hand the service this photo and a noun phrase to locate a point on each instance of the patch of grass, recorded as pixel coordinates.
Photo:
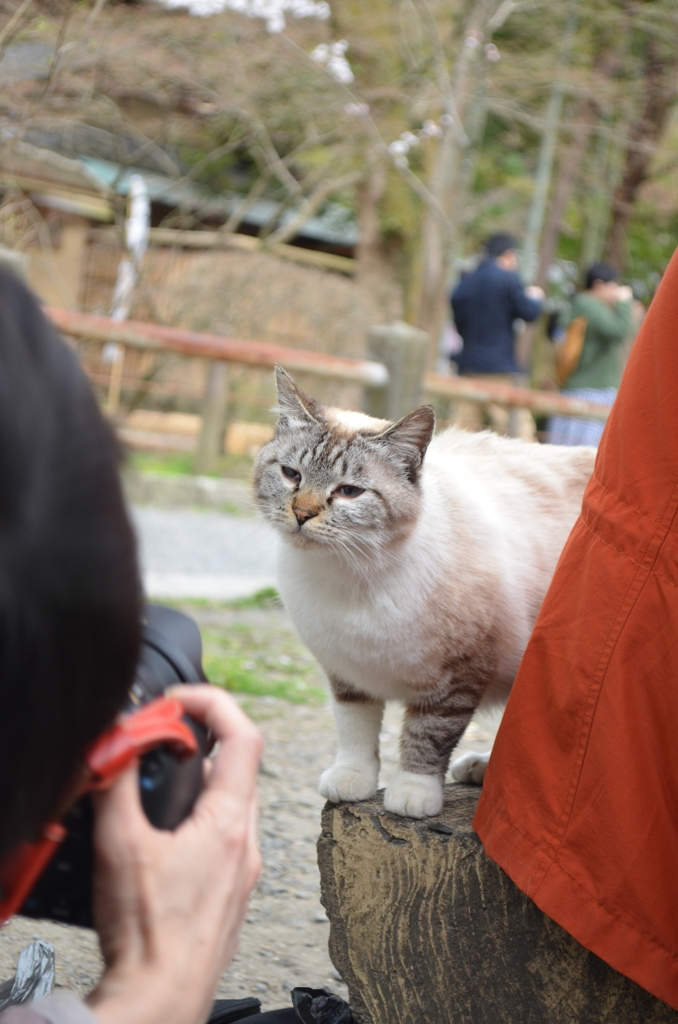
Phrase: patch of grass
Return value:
(238, 466)
(242, 675)
(267, 597)
(249, 647)
(267, 662)
(161, 462)
(230, 508)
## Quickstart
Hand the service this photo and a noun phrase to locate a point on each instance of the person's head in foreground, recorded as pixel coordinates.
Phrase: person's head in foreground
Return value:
(168, 905)
(69, 590)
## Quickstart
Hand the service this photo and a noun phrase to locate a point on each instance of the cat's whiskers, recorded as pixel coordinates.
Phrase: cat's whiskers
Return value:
(349, 557)
(381, 558)
(364, 555)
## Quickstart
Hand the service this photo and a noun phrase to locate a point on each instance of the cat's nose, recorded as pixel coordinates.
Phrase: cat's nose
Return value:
(303, 514)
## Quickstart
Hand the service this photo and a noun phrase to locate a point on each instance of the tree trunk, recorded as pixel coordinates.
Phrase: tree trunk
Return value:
(568, 171)
(602, 171)
(440, 226)
(528, 345)
(437, 237)
(375, 271)
(549, 140)
(659, 95)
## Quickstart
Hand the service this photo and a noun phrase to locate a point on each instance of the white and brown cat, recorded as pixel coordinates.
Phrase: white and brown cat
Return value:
(413, 567)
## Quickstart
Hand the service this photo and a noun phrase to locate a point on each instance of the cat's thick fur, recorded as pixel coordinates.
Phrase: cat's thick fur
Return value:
(413, 567)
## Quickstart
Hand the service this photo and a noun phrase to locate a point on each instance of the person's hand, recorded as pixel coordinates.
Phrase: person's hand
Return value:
(611, 292)
(169, 906)
(533, 291)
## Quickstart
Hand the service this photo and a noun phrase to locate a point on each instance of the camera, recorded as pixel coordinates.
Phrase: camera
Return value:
(171, 652)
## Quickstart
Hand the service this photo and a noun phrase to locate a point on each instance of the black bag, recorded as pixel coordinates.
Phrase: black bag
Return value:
(316, 1006)
(309, 1006)
(224, 1011)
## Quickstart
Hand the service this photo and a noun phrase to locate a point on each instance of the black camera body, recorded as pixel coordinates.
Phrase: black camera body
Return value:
(171, 653)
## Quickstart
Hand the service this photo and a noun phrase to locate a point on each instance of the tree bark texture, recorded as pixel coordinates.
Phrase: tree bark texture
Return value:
(369, 194)
(425, 929)
(659, 95)
(445, 181)
(569, 167)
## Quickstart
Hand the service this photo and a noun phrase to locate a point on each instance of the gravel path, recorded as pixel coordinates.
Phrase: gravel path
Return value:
(204, 554)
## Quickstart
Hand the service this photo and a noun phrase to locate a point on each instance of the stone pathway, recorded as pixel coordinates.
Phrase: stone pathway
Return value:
(200, 553)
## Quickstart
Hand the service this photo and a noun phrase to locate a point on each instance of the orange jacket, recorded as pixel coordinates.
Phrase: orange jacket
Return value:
(580, 801)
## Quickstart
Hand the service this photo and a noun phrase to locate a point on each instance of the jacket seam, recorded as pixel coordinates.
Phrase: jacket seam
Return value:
(614, 914)
(631, 508)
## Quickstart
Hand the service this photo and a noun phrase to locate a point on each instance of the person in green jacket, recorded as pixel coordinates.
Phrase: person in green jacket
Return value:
(606, 306)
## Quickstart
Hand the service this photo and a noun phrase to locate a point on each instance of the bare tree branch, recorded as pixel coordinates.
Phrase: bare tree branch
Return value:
(14, 24)
(311, 204)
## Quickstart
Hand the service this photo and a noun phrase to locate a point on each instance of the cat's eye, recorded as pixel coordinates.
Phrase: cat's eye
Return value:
(349, 491)
(291, 474)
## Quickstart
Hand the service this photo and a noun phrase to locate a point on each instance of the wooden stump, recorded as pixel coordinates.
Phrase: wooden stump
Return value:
(425, 929)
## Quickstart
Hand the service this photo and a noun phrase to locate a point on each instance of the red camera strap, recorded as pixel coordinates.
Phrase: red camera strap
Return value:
(158, 723)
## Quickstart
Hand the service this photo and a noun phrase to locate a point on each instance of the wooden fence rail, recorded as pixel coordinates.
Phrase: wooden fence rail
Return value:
(392, 386)
(89, 326)
(543, 403)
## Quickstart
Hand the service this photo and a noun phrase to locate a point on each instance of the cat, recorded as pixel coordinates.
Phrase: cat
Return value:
(413, 567)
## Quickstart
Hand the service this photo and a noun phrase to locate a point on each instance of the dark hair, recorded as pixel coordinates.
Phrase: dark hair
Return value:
(497, 245)
(600, 272)
(70, 598)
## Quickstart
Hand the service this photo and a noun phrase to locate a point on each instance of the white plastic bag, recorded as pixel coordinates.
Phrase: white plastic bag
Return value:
(34, 978)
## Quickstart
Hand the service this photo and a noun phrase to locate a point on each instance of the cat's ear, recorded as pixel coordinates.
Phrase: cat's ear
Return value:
(293, 405)
(410, 437)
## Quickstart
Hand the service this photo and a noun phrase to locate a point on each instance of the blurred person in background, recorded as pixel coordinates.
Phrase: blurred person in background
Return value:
(604, 310)
(486, 304)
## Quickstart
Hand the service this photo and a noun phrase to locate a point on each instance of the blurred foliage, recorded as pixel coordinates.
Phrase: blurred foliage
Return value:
(246, 109)
(181, 463)
(651, 238)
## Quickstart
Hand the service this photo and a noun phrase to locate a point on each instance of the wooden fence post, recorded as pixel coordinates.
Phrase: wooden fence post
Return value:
(403, 350)
(211, 438)
(15, 261)
(115, 354)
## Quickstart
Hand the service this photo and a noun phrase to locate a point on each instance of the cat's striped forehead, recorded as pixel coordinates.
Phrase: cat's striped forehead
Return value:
(329, 446)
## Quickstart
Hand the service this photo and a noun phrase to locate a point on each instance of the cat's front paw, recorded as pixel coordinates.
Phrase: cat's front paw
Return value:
(347, 782)
(414, 796)
(470, 768)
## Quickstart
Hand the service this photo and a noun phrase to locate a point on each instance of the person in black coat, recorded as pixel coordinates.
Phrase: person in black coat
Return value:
(485, 305)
